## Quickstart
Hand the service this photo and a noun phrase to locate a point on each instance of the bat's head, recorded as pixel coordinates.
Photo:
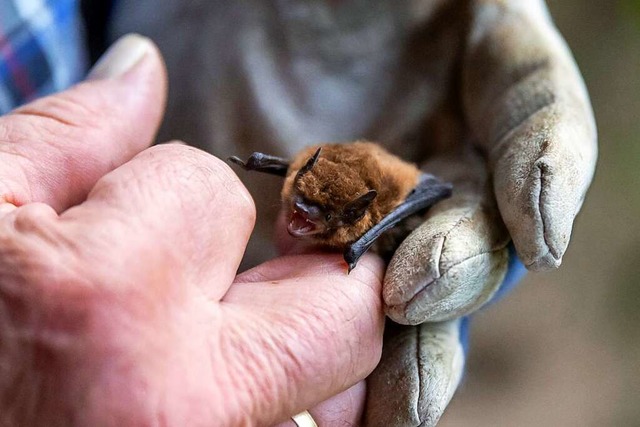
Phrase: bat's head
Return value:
(327, 201)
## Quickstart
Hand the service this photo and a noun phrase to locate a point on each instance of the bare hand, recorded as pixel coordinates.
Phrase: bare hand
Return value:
(119, 301)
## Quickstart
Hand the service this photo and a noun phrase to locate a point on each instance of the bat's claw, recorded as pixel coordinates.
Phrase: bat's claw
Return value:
(351, 266)
(351, 257)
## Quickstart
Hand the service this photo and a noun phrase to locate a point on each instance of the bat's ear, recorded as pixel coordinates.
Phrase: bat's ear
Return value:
(355, 209)
(310, 163)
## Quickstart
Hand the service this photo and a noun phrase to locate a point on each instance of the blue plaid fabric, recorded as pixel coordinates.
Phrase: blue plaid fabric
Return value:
(41, 49)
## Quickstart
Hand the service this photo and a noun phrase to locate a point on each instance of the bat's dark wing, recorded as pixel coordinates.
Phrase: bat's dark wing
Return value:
(428, 191)
(263, 163)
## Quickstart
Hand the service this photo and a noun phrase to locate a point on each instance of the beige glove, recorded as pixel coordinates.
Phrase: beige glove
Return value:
(527, 110)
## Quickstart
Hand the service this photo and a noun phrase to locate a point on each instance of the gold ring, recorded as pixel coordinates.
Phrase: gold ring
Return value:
(304, 419)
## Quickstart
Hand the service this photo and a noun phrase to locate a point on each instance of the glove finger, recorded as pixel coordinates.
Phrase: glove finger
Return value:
(540, 184)
(456, 260)
(420, 370)
(528, 107)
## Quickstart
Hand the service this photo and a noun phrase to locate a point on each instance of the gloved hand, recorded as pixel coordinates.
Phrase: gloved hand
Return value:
(525, 109)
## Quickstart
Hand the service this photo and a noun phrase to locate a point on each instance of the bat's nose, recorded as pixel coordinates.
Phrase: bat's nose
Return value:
(311, 212)
(305, 220)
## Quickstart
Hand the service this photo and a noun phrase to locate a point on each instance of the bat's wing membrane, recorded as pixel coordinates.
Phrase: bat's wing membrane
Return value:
(263, 163)
(428, 191)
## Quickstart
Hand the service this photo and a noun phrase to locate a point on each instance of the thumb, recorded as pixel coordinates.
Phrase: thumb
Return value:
(54, 149)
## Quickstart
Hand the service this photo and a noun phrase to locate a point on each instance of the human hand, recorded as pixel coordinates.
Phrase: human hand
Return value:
(119, 301)
(526, 107)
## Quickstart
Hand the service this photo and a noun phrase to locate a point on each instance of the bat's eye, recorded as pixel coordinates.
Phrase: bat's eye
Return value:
(328, 217)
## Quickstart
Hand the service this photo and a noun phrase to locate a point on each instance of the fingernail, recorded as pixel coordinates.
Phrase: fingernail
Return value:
(122, 56)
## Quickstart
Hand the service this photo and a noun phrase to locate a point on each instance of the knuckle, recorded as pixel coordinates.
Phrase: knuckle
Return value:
(205, 176)
(242, 200)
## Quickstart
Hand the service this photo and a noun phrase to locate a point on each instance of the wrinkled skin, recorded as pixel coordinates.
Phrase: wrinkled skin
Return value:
(120, 303)
(484, 92)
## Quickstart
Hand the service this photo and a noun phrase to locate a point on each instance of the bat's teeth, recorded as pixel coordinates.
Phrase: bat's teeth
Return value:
(300, 226)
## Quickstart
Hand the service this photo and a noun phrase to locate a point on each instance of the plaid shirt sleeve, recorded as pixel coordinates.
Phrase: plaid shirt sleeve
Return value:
(41, 49)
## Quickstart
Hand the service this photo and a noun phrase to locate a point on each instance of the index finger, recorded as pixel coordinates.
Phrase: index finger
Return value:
(300, 330)
(181, 208)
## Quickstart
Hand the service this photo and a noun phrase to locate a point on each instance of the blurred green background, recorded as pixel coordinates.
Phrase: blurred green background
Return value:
(564, 348)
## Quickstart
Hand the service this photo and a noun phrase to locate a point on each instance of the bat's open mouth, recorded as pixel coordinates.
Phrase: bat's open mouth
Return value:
(301, 226)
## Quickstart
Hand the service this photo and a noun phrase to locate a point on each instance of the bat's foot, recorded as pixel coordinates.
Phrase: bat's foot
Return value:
(351, 256)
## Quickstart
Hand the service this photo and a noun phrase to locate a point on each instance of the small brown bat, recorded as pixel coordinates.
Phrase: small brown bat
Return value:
(344, 196)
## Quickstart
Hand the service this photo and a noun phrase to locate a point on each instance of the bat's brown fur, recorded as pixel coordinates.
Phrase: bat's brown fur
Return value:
(344, 172)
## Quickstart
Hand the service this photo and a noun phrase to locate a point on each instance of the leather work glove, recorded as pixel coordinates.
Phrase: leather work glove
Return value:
(483, 93)
(528, 113)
